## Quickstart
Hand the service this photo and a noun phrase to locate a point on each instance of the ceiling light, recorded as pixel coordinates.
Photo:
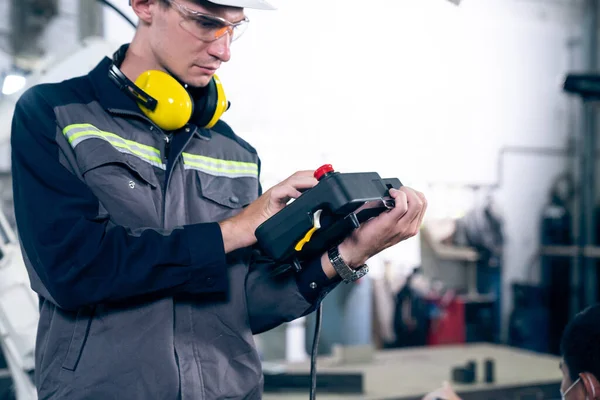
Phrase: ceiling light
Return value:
(12, 84)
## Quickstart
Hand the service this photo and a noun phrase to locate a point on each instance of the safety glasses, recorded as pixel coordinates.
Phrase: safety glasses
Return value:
(206, 27)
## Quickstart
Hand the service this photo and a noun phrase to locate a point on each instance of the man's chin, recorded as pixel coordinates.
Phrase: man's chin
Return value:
(200, 76)
(199, 81)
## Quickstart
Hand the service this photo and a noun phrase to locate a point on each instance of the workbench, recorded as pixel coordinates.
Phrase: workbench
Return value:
(408, 374)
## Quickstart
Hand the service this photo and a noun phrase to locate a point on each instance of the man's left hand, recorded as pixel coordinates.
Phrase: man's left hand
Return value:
(387, 229)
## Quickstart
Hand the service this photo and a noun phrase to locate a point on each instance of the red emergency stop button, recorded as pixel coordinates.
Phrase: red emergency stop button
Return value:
(322, 171)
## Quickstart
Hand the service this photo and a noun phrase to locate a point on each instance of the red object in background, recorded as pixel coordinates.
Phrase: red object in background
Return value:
(448, 327)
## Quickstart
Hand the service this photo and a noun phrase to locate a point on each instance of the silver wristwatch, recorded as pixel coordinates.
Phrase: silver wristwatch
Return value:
(344, 271)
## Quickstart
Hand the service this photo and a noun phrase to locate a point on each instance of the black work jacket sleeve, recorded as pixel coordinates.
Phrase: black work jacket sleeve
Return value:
(274, 299)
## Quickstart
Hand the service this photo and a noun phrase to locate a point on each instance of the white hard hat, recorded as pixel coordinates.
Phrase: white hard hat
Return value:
(258, 4)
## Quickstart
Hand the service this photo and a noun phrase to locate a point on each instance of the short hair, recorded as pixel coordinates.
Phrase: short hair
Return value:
(580, 343)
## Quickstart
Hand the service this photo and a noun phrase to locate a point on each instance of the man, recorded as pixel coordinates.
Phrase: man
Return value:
(139, 240)
(580, 348)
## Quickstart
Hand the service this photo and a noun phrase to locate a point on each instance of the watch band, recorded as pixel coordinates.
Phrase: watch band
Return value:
(344, 271)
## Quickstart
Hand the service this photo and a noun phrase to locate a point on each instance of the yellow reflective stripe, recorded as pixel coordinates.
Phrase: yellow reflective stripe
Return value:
(215, 166)
(76, 133)
(217, 161)
(221, 170)
(127, 144)
(110, 134)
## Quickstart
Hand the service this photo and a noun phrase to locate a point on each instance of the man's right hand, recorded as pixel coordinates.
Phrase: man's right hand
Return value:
(238, 231)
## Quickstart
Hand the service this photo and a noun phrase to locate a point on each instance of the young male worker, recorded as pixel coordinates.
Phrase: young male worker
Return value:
(137, 227)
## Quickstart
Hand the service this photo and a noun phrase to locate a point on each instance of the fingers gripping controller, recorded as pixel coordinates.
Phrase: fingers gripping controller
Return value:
(324, 215)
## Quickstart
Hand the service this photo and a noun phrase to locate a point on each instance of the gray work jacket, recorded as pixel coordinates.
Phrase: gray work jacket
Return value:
(120, 236)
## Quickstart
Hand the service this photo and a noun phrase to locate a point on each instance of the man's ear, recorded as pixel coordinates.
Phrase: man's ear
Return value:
(591, 384)
(143, 9)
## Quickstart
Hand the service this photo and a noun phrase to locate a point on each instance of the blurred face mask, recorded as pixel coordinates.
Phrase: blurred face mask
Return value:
(563, 396)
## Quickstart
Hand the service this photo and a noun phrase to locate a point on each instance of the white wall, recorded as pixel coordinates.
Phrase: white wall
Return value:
(420, 90)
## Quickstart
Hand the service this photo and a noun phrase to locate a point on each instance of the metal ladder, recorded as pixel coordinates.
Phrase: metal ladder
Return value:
(19, 314)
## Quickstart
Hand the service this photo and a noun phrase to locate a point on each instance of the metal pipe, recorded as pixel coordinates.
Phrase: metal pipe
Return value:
(589, 204)
(585, 268)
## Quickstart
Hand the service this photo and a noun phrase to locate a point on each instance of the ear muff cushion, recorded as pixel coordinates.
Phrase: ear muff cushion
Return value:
(175, 106)
(203, 104)
(210, 103)
(219, 101)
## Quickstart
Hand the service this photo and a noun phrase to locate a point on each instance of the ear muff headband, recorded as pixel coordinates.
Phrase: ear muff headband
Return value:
(130, 88)
(220, 102)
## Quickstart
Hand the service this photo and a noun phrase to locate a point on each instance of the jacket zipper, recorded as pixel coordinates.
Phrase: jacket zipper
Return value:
(167, 148)
(187, 129)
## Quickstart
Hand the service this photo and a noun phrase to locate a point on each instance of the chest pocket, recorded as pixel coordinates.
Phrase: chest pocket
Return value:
(222, 196)
(127, 187)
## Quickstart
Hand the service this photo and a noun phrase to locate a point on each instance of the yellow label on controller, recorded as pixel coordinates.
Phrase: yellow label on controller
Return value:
(305, 239)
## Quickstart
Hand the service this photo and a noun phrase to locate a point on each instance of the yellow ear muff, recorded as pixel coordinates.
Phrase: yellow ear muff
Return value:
(221, 103)
(174, 105)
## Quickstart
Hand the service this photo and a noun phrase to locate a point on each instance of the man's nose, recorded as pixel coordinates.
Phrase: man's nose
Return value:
(221, 48)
